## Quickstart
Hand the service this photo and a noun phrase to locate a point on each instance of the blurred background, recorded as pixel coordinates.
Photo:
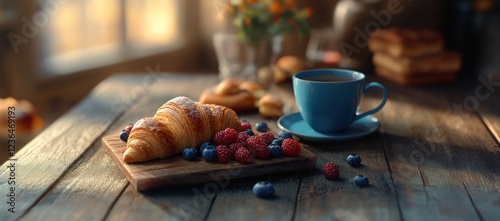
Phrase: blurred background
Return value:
(53, 52)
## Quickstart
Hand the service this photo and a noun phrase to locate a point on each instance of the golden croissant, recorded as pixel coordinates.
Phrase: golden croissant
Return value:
(177, 124)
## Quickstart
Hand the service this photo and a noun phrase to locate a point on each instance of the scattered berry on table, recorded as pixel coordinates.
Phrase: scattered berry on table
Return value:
(278, 141)
(261, 127)
(354, 160)
(243, 156)
(243, 120)
(268, 137)
(128, 128)
(223, 154)
(124, 136)
(205, 145)
(249, 132)
(285, 134)
(331, 171)
(275, 150)
(242, 137)
(209, 153)
(246, 125)
(290, 147)
(226, 137)
(233, 148)
(190, 153)
(263, 189)
(361, 181)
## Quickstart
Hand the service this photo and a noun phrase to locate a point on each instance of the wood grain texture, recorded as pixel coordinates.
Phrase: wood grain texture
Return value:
(436, 155)
(45, 159)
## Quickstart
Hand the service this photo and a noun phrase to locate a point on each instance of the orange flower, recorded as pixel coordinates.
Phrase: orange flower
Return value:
(248, 21)
(276, 8)
(229, 8)
(251, 1)
(290, 4)
(308, 11)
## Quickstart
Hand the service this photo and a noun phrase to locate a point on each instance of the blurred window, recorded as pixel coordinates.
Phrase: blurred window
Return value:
(83, 34)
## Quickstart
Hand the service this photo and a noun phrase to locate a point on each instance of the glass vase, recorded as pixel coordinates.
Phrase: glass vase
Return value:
(240, 61)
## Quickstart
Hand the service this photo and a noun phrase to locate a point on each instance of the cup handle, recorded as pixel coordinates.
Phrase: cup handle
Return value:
(384, 99)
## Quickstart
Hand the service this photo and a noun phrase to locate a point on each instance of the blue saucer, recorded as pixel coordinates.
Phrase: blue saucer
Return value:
(295, 124)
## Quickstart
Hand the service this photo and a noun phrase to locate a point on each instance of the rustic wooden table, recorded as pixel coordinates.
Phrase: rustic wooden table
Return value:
(435, 157)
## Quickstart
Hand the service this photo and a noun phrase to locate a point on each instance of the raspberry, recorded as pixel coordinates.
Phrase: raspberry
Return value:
(290, 147)
(129, 127)
(226, 137)
(243, 156)
(234, 147)
(262, 152)
(331, 171)
(223, 154)
(242, 137)
(268, 137)
(254, 141)
(246, 125)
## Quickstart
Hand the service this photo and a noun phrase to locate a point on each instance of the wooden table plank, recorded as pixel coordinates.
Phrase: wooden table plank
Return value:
(44, 160)
(435, 153)
(322, 199)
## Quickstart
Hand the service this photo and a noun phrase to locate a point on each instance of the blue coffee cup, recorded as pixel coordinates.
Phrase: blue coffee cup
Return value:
(328, 99)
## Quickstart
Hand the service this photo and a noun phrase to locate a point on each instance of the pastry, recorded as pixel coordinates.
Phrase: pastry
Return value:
(25, 115)
(241, 101)
(177, 124)
(291, 64)
(254, 88)
(227, 87)
(416, 79)
(270, 106)
(398, 42)
(444, 62)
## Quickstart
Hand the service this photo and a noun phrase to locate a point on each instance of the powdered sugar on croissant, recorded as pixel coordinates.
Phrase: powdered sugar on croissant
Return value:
(177, 124)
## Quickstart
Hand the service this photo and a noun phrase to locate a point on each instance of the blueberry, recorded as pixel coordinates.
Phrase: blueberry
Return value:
(361, 181)
(124, 135)
(243, 120)
(278, 141)
(275, 150)
(249, 132)
(353, 160)
(209, 153)
(205, 145)
(263, 189)
(285, 134)
(190, 153)
(261, 127)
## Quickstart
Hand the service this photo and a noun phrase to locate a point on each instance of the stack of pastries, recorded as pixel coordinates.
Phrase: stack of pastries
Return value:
(413, 56)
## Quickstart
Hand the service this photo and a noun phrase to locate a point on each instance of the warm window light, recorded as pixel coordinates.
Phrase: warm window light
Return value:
(90, 33)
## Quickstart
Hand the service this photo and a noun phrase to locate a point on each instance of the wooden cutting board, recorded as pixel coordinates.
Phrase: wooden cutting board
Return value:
(176, 170)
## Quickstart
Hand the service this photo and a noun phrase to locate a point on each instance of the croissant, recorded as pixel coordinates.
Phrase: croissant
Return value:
(177, 124)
